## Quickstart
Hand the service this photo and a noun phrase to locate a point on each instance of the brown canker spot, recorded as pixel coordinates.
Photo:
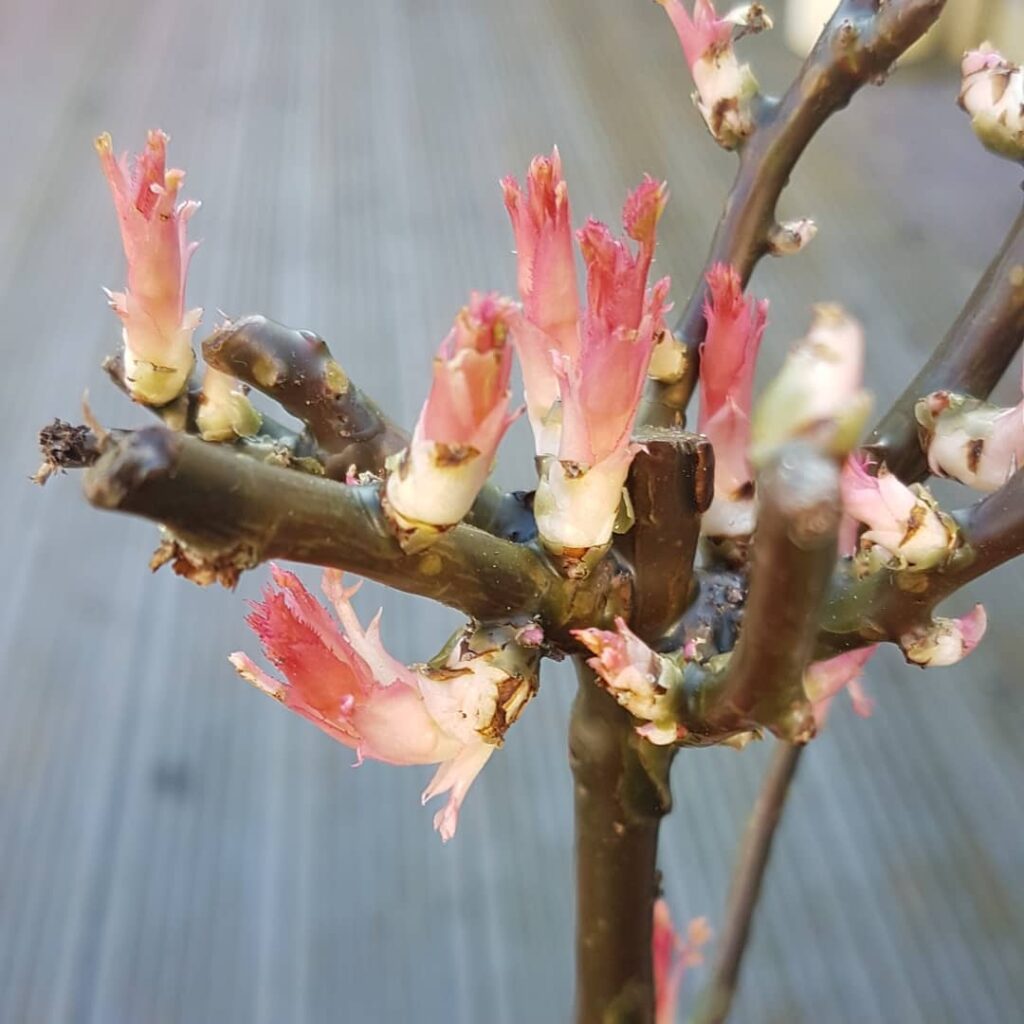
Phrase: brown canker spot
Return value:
(448, 455)
(975, 449)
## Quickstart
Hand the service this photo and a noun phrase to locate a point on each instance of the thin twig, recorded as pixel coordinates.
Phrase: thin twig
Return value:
(745, 888)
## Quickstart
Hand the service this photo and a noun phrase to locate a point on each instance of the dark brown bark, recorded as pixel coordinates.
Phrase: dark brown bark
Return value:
(971, 358)
(621, 794)
(670, 484)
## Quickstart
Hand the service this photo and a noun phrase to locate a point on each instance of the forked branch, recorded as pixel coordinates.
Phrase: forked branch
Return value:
(858, 45)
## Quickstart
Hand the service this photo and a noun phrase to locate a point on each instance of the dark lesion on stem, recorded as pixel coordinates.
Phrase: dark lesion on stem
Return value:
(970, 360)
(858, 45)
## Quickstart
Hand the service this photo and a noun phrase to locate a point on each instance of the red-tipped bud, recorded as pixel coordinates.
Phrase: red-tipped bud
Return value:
(437, 478)
(156, 328)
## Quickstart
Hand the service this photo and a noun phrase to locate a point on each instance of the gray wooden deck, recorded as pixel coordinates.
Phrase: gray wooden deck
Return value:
(175, 849)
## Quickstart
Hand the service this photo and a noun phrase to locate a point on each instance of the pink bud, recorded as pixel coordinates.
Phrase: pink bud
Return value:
(344, 681)
(469, 393)
(601, 391)
(437, 479)
(729, 352)
(157, 330)
(904, 522)
(541, 222)
(616, 278)
(704, 34)
(823, 680)
(600, 387)
(724, 86)
(728, 360)
(672, 956)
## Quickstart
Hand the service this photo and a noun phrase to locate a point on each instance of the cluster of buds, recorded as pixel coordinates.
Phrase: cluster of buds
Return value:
(156, 327)
(992, 93)
(641, 680)
(433, 483)
(584, 369)
(453, 712)
(735, 326)
(672, 956)
(979, 444)
(725, 89)
(906, 529)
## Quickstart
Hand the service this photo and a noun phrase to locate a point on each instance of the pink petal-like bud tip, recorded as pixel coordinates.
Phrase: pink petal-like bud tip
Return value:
(157, 329)
(343, 680)
(702, 35)
(643, 209)
(672, 955)
(437, 478)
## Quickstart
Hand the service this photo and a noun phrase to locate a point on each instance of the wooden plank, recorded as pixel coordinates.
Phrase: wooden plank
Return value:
(176, 849)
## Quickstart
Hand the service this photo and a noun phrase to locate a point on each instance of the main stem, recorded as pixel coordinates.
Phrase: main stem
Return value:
(621, 793)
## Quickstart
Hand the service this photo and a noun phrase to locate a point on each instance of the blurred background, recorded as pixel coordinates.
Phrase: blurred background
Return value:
(175, 848)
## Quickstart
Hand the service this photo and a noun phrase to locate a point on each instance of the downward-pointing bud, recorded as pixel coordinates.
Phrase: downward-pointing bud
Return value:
(824, 680)
(455, 711)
